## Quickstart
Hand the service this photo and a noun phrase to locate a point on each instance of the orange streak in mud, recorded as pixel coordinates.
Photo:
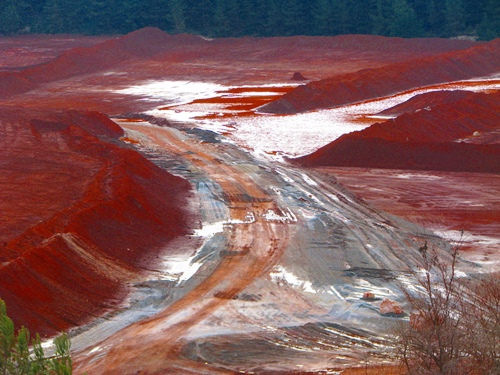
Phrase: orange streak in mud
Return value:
(152, 346)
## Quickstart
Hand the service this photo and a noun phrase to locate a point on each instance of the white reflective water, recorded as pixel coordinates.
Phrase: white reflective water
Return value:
(274, 136)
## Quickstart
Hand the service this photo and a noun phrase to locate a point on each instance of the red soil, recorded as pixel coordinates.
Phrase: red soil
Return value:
(424, 139)
(476, 61)
(79, 216)
(21, 51)
(157, 55)
(141, 44)
(442, 120)
(422, 101)
(441, 201)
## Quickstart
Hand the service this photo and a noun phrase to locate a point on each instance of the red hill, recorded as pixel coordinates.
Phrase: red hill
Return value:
(140, 44)
(427, 139)
(298, 52)
(79, 216)
(477, 61)
(421, 101)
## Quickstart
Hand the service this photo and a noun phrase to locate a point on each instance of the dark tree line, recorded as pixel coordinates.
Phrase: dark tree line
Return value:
(224, 18)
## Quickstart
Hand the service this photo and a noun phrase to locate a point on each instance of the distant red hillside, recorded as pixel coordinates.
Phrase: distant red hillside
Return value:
(427, 139)
(141, 44)
(192, 55)
(79, 216)
(477, 61)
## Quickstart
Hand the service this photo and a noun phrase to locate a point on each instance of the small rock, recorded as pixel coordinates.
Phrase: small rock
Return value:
(368, 296)
(297, 76)
(388, 307)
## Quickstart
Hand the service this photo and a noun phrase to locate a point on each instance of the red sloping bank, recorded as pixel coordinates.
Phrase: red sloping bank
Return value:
(443, 136)
(140, 44)
(79, 216)
(347, 88)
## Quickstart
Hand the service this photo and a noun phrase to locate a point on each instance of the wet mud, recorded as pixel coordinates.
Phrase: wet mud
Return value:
(80, 216)
(212, 258)
(433, 137)
(477, 61)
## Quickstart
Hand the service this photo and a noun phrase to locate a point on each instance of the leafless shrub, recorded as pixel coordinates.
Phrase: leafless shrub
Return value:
(454, 325)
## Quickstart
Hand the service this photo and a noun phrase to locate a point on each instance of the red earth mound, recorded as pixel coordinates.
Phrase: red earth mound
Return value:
(158, 54)
(141, 44)
(14, 83)
(442, 120)
(425, 139)
(79, 216)
(477, 61)
(21, 51)
(315, 49)
(429, 99)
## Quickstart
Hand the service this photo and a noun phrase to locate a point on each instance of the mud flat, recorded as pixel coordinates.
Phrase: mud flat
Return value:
(296, 257)
(444, 202)
(214, 256)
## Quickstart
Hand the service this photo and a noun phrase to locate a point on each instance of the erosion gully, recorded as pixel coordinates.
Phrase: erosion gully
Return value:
(277, 288)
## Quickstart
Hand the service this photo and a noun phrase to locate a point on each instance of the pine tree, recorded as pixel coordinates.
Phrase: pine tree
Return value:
(454, 17)
(489, 28)
(53, 20)
(382, 18)
(254, 12)
(10, 20)
(435, 19)
(15, 356)
(323, 18)
(358, 17)
(293, 17)
(76, 15)
(405, 23)
(155, 13)
(200, 16)
(177, 16)
(274, 16)
(343, 22)
(223, 21)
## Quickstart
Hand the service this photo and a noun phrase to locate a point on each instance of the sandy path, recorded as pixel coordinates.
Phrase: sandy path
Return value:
(253, 249)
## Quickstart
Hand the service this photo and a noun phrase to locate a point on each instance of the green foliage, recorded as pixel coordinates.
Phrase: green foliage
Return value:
(16, 358)
(293, 18)
(489, 28)
(53, 17)
(455, 17)
(382, 17)
(223, 18)
(405, 22)
(177, 16)
(10, 20)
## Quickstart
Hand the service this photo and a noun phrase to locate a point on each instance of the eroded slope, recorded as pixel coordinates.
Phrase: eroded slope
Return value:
(431, 138)
(79, 216)
(477, 61)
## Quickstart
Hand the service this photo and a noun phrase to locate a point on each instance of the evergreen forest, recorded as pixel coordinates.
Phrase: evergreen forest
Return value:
(236, 18)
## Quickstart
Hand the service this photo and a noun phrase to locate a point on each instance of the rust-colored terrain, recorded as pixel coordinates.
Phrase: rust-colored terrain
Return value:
(80, 216)
(448, 131)
(477, 61)
(108, 206)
